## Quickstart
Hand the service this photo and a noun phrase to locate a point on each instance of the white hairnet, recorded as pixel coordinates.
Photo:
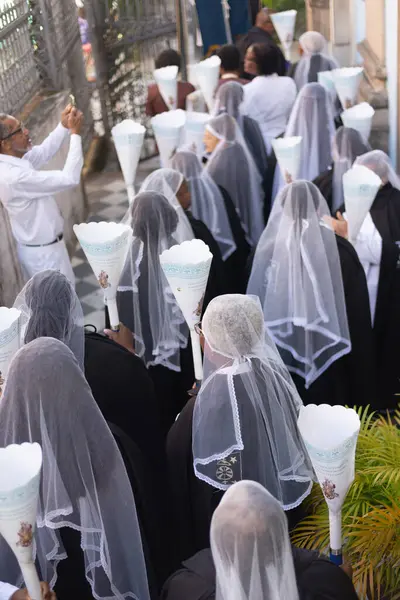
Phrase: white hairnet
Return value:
(297, 276)
(312, 42)
(84, 484)
(50, 308)
(207, 202)
(251, 547)
(229, 99)
(245, 416)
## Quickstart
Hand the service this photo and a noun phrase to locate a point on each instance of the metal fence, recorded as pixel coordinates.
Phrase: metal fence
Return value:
(127, 35)
(40, 49)
(19, 78)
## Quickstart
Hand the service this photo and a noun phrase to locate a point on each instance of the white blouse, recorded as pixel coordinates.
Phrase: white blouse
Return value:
(369, 249)
(269, 101)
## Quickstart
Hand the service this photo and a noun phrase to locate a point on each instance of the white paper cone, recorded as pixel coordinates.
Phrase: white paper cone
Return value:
(166, 80)
(20, 467)
(207, 74)
(191, 75)
(9, 340)
(168, 129)
(194, 131)
(284, 23)
(330, 435)
(106, 246)
(325, 78)
(195, 102)
(128, 138)
(360, 186)
(288, 155)
(347, 82)
(359, 117)
(186, 267)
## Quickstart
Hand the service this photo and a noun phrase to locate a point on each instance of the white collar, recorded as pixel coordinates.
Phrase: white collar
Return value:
(229, 76)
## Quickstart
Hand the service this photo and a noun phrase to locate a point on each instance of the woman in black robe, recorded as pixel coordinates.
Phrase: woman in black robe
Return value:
(250, 549)
(148, 308)
(123, 391)
(263, 392)
(172, 185)
(385, 214)
(348, 144)
(84, 491)
(201, 197)
(326, 337)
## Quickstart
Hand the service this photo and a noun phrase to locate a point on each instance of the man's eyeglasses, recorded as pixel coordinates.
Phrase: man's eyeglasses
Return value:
(20, 129)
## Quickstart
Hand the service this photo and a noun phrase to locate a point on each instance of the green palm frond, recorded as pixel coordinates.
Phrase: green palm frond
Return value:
(371, 511)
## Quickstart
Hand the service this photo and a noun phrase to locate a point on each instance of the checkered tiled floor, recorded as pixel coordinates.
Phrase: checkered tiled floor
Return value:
(108, 201)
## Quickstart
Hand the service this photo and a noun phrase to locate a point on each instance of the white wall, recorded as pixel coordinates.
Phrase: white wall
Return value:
(359, 27)
(391, 30)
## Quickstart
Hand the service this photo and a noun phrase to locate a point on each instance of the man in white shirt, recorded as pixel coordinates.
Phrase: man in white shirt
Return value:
(28, 194)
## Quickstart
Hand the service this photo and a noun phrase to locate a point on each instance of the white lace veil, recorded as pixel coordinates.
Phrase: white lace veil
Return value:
(229, 100)
(315, 47)
(297, 276)
(50, 308)
(245, 416)
(348, 144)
(379, 163)
(84, 483)
(146, 303)
(233, 168)
(312, 119)
(251, 547)
(167, 182)
(207, 202)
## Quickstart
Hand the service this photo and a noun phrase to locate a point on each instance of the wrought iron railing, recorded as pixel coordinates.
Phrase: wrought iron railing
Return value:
(19, 78)
(40, 49)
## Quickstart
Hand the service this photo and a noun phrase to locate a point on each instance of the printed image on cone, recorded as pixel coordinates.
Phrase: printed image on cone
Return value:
(103, 280)
(25, 535)
(328, 489)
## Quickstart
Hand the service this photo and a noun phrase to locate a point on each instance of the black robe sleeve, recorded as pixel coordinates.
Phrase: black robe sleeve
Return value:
(217, 282)
(360, 364)
(193, 500)
(324, 183)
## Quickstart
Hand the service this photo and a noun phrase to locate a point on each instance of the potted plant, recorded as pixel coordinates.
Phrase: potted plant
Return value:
(371, 511)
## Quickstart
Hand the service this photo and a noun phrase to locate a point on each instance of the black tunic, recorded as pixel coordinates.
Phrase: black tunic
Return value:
(317, 579)
(324, 183)
(385, 213)
(195, 501)
(351, 379)
(235, 265)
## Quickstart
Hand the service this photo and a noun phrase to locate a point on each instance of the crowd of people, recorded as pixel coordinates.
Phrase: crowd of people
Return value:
(152, 488)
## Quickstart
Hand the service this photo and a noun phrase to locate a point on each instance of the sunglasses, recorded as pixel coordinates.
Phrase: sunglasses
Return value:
(20, 129)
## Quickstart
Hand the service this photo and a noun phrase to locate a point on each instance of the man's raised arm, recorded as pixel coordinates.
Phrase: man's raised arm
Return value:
(40, 155)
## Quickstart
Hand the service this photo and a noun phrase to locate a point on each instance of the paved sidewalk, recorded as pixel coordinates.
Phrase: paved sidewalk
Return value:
(108, 201)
